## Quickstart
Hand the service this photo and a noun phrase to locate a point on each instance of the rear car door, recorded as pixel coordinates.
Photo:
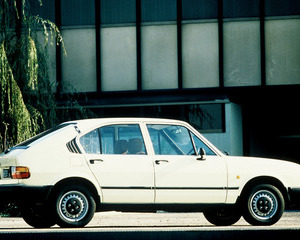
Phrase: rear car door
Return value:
(180, 175)
(118, 157)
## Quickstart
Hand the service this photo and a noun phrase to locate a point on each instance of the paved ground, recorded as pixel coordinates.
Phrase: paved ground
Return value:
(158, 221)
(153, 226)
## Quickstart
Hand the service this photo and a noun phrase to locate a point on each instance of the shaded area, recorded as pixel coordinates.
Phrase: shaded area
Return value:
(157, 235)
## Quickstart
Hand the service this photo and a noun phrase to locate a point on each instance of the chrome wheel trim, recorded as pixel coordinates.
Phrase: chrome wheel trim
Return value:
(263, 204)
(73, 206)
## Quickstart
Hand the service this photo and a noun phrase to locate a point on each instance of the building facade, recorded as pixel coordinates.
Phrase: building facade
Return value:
(229, 67)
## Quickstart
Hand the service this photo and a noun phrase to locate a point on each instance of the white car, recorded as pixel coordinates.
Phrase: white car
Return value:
(64, 175)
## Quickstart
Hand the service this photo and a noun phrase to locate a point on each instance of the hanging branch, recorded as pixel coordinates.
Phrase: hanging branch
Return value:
(27, 101)
(28, 104)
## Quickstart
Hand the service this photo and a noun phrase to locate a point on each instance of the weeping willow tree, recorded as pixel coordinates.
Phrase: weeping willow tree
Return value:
(27, 102)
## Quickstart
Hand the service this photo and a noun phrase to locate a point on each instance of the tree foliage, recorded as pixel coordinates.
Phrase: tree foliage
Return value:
(26, 99)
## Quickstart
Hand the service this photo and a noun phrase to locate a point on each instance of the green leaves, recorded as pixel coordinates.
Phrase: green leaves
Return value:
(26, 99)
(15, 117)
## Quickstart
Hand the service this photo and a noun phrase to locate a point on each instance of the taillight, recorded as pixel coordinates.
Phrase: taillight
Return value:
(19, 172)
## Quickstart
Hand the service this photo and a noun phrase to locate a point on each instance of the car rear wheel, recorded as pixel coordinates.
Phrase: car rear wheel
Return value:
(264, 205)
(36, 215)
(74, 206)
(223, 217)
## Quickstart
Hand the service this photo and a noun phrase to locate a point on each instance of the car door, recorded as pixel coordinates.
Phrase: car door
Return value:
(118, 158)
(180, 175)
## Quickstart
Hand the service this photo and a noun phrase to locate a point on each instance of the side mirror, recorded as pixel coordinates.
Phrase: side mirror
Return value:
(226, 153)
(202, 154)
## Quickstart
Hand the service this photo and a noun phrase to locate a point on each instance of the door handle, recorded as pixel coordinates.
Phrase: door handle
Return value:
(159, 161)
(92, 161)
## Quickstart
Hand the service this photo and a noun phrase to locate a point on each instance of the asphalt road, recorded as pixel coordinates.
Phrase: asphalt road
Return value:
(186, 226)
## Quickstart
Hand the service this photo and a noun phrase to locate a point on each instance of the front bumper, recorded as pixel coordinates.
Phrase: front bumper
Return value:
(294, 194)
(19, 193)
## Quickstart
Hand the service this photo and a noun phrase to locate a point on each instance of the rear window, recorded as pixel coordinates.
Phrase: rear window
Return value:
(43, 134)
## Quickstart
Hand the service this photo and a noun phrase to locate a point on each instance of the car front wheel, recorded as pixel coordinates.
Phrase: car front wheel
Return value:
(74, 207)
(264, 205)
(223, 217)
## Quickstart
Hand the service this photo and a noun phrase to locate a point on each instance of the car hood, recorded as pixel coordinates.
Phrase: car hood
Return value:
(261, 163)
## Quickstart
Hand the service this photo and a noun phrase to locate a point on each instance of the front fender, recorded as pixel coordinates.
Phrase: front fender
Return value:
(244, 172)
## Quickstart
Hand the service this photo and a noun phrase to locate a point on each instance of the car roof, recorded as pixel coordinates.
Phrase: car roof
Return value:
(85, 124)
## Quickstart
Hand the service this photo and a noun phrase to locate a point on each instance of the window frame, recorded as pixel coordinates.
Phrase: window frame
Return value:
(140, 126)
(86, 133)
(147, 139)
(190, 132)
(170, 142)
(206, 146)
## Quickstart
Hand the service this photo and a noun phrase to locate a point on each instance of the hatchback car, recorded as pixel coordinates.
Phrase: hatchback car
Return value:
(66, 174)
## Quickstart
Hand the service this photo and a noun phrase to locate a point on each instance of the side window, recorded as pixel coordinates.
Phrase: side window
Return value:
(199, 144)
(107, 139)
(171, 140)
(122, 139)
(114, 139)
(90, 142)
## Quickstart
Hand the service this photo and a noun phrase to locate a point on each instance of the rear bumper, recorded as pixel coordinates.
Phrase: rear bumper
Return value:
(294, 194)
(19, 193)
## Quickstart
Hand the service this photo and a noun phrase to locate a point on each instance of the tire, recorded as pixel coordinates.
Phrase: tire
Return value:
(74, 207)
(36, 215)
(264, 205)
(223, 217)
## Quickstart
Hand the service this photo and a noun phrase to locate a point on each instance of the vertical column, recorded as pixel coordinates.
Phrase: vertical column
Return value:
(179, 43)
(262, 41)
(138, 45)
(98, 43)
(220, 35)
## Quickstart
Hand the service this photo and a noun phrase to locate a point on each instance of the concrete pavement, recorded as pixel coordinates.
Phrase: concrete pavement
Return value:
(173, 226)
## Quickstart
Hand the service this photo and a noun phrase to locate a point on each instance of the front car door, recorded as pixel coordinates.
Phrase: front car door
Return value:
(180, 175)
(118, 157)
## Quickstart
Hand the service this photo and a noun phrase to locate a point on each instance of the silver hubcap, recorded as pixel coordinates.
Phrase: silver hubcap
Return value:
(264, 204)
(73, 206)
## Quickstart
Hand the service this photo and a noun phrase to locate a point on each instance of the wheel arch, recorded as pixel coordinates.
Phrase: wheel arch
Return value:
(265, 180)
(77, 181)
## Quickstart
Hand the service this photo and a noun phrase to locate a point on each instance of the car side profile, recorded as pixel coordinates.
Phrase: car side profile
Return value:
(66, 174)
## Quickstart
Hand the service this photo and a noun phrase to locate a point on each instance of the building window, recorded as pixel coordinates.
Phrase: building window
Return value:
(79, 65)
(45, 11)
(200, 55)
(242, 63)
(199, 9)
(240, 8)
(77, 12)
(282, 51)
(118, 11)
(206, 118)
(159, 57)
(159, 44)
(78, 30)
(118, 58)
(282, 8)
(158, 10)
(242, 56)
